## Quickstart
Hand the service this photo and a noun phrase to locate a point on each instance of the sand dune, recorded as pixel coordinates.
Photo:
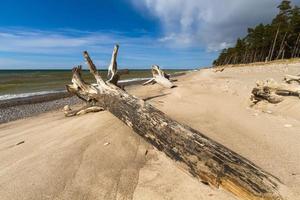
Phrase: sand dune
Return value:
(96, 156)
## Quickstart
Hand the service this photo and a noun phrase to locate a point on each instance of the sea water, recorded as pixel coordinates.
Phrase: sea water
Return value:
(25, 83)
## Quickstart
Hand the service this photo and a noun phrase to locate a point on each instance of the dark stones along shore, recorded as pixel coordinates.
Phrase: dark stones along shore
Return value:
(19, 108)
(10, 113)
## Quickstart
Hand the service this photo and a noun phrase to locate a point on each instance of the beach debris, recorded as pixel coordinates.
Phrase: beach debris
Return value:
(160, 77)
(203, 157)
(85, 109)
(22, 142)
(106, 143)
(288, 125)
(67, 108)
(219, 69)
(268, 111)
(273, 92)
(292, 78)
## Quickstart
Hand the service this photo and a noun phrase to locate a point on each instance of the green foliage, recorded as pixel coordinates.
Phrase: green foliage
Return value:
(278, 40)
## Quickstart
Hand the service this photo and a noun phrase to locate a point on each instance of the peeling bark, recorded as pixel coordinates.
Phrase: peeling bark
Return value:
(204, 158)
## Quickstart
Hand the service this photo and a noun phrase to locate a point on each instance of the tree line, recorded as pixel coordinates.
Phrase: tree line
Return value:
(278, 40)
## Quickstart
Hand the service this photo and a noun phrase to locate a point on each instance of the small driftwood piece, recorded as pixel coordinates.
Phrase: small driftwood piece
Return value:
(203, 157)
(160, 77)
(219, 69)
(86, 109)
(273, 92)
(292, 78)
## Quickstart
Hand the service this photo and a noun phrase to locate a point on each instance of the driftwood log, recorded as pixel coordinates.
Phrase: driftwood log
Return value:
(292, 78)
(273, 92)
(160, 77)
(204, 158)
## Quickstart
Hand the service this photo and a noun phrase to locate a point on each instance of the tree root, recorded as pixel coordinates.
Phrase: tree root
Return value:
(273, 92)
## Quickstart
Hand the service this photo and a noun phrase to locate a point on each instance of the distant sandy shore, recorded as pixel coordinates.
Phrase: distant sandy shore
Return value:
(96, 156)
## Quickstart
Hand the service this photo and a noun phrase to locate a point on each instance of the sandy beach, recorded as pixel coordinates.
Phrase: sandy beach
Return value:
(96, 156)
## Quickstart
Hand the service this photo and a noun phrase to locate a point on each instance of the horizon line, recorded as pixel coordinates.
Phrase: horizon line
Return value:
(99, 69)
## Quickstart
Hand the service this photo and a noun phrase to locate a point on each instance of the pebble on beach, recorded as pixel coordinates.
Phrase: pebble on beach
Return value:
(27, 110)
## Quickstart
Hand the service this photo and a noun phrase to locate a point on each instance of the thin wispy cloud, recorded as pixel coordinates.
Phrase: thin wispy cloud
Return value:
(213, 24)
(54, 42)
(25, 48)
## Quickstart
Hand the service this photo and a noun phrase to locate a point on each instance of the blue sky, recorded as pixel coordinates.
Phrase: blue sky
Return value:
(171, 33)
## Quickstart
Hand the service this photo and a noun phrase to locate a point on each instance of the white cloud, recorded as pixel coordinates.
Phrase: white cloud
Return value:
(55, 42)
(31, 48)
(214, 24)
(21, 47)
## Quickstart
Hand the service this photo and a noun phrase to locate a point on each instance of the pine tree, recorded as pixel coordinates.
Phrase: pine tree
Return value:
(280, 39)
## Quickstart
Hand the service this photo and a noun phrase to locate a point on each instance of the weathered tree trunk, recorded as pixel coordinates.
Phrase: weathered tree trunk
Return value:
(204, 158)
(254, 56)
(270, 57)
(295, 46)
(281, 48)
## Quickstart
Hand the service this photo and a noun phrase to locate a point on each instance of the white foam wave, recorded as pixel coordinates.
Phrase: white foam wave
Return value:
(133, 80)
(27, 94)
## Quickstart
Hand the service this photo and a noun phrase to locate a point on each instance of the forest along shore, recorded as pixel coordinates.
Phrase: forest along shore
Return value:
(266, 42)
(95, 156)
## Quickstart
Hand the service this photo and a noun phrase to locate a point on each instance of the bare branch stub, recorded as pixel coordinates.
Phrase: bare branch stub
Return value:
(112, 74)
(93, 68)
(83, 90)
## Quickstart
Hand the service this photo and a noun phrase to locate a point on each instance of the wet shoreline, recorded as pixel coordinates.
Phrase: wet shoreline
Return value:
(19, 108)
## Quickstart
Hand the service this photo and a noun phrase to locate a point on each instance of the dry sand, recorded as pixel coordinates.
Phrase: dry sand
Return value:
(96, 156)
(218, 105)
